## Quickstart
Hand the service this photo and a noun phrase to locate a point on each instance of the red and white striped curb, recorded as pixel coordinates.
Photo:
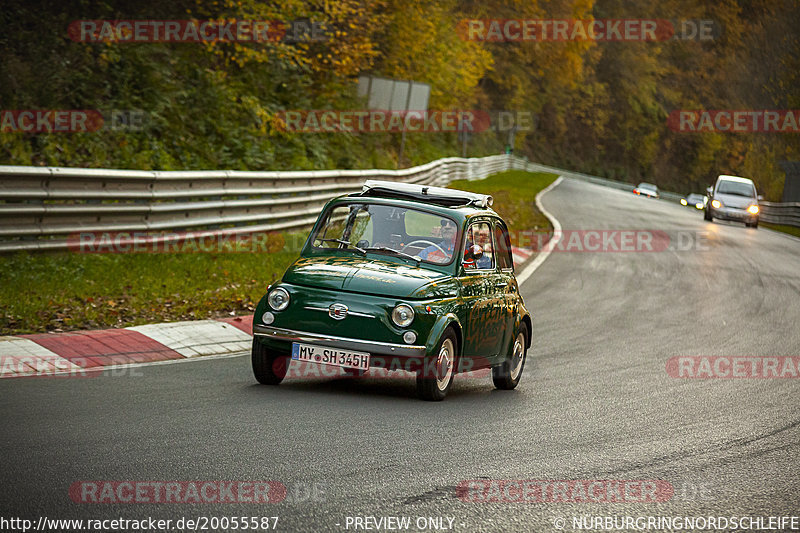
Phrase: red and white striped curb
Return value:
(64, 353)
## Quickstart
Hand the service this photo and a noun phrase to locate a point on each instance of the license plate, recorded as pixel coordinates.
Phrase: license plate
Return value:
(330, 356)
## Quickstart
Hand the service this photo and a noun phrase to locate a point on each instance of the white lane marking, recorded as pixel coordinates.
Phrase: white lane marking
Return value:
(196, 338)
(23, 357)
(537, 262)
(782, 234)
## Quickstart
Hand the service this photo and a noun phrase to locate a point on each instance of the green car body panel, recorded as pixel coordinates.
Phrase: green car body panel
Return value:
(484, 307)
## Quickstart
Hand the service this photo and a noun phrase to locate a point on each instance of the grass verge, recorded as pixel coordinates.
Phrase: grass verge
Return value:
(514, 195)
(74, 291)
(791, 230)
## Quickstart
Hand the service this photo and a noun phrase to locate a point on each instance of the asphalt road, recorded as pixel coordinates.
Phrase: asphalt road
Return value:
(595, 402)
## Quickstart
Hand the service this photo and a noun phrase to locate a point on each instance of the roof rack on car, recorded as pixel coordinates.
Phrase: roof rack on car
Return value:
(435, 195)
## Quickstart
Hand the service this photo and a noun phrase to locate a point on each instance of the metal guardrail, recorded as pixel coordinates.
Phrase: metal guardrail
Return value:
(621, 185)
(42, 207)
(787, 214)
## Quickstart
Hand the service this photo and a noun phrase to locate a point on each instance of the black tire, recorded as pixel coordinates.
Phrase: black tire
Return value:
(505, 376)
(269, 368)
(436, 377)
(754, 225)
(707, 215)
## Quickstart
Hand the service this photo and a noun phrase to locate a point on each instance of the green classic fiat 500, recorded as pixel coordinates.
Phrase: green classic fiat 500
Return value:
(399, 277)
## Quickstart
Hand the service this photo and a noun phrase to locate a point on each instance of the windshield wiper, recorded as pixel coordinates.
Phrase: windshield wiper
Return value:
(346, 243)
(393, 251)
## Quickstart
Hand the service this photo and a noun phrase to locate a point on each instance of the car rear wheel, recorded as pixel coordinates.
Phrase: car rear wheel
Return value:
(506, 376)
(436, 376)
(269, 368)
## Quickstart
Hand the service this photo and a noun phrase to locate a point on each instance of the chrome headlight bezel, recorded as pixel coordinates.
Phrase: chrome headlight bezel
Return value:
(403, 315)
(276, 293)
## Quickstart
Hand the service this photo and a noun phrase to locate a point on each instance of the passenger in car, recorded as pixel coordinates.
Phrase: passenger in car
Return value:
(448, 232)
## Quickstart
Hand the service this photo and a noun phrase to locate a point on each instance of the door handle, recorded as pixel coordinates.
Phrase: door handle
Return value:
(502, 284)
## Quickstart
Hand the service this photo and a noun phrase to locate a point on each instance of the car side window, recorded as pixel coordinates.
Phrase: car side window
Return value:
(503, 247)
(479, 234)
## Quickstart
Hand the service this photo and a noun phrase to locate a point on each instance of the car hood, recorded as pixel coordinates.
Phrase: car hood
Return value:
(369, 276)
(734, 200)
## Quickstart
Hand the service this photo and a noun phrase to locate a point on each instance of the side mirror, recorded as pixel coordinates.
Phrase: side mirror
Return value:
(760, 197)
(473, 253)
(710, 190)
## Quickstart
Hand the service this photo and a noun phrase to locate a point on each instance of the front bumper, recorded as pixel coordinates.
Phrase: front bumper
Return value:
(344, 343)
(733, 213)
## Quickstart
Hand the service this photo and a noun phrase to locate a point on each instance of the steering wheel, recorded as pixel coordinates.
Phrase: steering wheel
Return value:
(425, 242)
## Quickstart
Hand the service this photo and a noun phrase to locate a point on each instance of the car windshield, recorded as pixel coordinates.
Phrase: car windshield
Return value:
(737, 188)
(390, 230)
(695, 198)
(649, 186)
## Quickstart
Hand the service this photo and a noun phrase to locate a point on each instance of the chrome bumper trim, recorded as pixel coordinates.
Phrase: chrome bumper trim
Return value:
(373, 347)
(349, 312)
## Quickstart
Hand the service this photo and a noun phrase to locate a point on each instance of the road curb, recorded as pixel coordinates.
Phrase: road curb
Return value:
(51, 354)
(540, 258)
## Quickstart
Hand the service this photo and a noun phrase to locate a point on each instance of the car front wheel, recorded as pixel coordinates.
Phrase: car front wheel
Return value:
(506, 376)
(269, 368)
(436, 376)
(707, 215)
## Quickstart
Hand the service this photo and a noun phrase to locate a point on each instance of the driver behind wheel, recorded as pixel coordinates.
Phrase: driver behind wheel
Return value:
(434, 254)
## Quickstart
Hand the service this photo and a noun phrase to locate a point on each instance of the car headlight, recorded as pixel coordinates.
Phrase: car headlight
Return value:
(716, 204)
(403, 315)
(699, 205)
(684, 202)
(278, 299)
(753, 209)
